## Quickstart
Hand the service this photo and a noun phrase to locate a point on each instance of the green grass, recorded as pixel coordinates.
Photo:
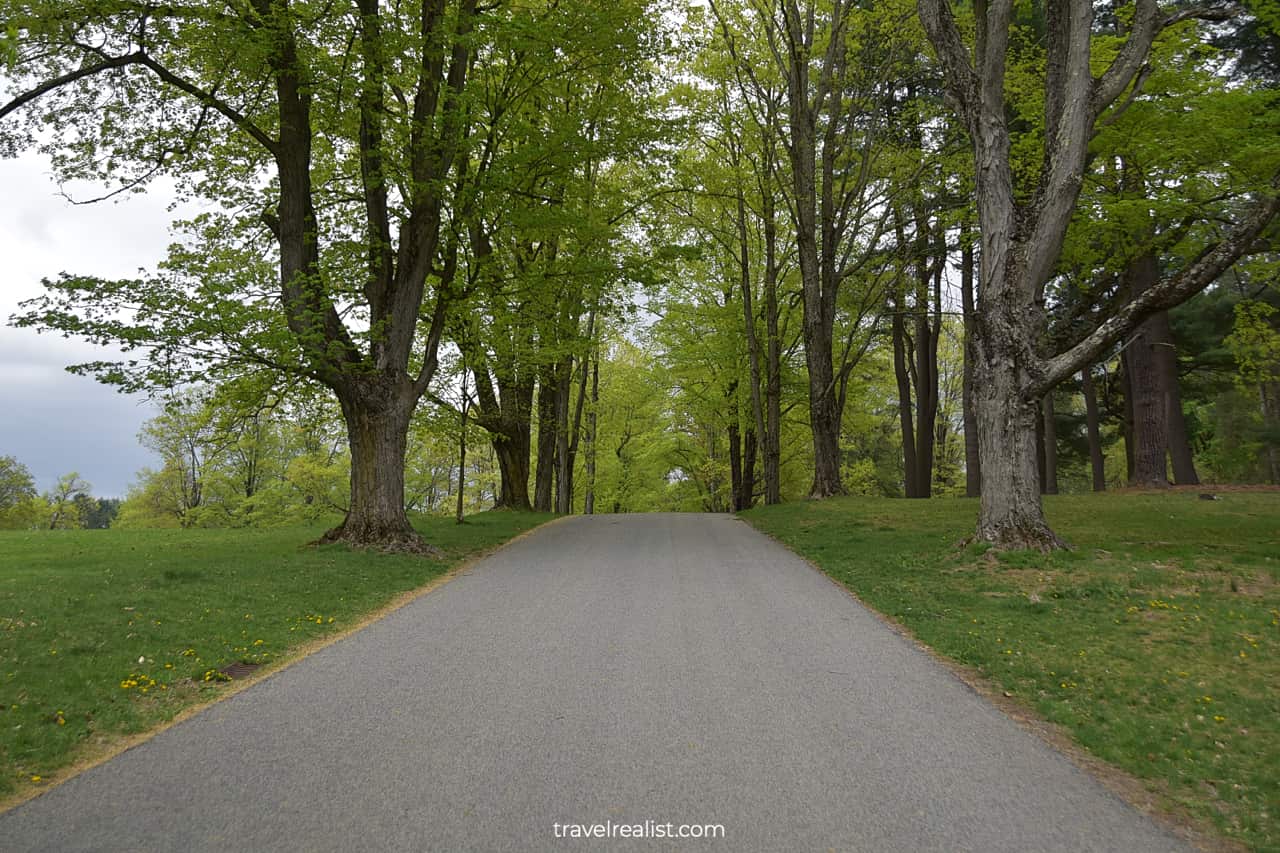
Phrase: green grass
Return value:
(1156, 642)
(109, 633)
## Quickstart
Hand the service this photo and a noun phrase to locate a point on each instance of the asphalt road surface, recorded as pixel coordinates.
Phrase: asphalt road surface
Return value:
(638, 670)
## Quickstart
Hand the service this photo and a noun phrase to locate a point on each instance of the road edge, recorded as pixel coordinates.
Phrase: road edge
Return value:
(1131, 790)
(118, 746)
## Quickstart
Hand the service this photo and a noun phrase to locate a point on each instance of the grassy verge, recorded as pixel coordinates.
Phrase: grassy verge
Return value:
(1156, 643)
(105, 634)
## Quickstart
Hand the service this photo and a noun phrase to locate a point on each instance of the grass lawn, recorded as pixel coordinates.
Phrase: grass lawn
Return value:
(1156, 643)
(108, 633)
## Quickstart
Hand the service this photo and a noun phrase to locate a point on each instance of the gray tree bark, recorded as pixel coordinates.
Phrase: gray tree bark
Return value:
(1021, 240)
(589, 499)
(972, 463)
(544, 469)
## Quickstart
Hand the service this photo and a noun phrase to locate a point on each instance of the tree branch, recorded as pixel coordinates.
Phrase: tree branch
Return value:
(1143, 29)
(1167, 294)
(71, 77)
(235, 117)
(940, 25)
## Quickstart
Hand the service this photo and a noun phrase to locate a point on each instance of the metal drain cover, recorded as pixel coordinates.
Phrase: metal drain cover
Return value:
(239, 670)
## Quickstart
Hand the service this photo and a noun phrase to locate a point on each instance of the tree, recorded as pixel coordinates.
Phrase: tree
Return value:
(20, 504)
(839, 65)
(1255, 342)
(972, 457)
(734, 167)
(326, 137)
(99, 513)
(66, 502)
(16, 483)
(635, 445)
(1022, 229)
(242, 454)
(1159, 176)
(567, 99)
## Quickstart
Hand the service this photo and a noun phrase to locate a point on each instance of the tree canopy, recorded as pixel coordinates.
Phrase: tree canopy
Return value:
(696, 258)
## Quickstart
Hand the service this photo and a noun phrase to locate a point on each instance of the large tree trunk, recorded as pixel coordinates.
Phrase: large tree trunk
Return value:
(926, 352)
(735, 464)
(1150, 414)
(901, 359)
(377, 418)
(824, 418)
(1010, 319)
(564, 461)
(747, 486)
(771, 437)
(508, 422)
(815, 251)
(972, 465)
(589, 500)
(544, 470)
(1150, 410)
(1011, 515)
(1022, 240)
(513, 466)
(1097, 462)
(1158, 419)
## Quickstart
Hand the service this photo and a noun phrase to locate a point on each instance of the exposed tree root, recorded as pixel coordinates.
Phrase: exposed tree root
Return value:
(385, 539)
(1024, 537)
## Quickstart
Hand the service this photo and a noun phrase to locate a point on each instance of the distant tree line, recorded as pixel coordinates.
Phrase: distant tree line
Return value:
(67, 506)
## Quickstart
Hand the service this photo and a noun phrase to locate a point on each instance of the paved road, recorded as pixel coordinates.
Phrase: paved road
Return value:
(677, 669)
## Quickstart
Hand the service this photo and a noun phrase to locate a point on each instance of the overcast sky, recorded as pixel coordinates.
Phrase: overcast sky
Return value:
(52, 421)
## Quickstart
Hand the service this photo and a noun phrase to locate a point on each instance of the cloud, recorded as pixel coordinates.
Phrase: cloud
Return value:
(53, 421)
(43, 234)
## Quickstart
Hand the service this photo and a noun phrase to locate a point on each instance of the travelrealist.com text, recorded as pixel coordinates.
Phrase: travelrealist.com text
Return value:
(648, 829)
